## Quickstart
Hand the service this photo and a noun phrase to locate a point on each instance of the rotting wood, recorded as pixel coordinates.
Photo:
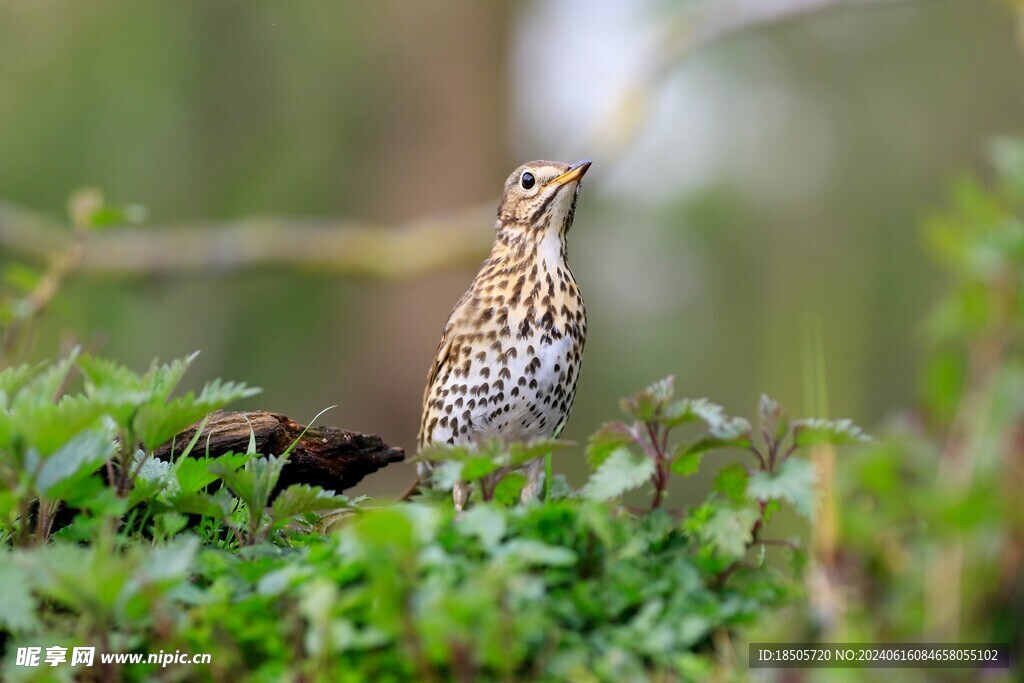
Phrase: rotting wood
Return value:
(335, 459)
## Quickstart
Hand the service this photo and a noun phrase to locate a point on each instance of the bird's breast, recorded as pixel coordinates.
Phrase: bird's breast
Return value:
(514, 360)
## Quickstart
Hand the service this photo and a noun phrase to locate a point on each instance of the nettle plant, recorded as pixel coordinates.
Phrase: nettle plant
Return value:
(644, 453)
(90, 452)
(197, 553)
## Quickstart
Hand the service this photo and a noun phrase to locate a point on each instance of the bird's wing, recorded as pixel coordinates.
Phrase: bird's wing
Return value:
(441, 359)
(444, 349)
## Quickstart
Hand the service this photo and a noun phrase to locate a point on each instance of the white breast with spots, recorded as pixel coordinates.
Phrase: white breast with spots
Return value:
(540, 404)
(528, 396)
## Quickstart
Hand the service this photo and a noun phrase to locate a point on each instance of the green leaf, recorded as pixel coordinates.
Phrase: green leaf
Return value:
(510, 487)
(77, 458)
(254, 483)
(218, 505)
(300, 498)
(836, 432)
(387, 528)
(167, 563)
(48, 426)
(114, 385)
(731, 481)
(648, 404)
(721, 426)
(88, 209)
(20, 609)
(610, 437)
(621, 471)
(152, 477)
(445, 452)
(794, 483)
(446, 474)
(21, 277)
(162, 380)
(520, 453)
(485, 522)
(528, 551)
(730, 530)
(13, 379)
(194, 474)
(45, 386)
(478, 466)
(156, 423)
(686, 462)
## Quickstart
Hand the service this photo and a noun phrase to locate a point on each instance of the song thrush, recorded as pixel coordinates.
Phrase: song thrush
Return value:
(509, 357)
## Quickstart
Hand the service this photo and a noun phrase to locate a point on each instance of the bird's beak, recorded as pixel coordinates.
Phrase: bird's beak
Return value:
(575, 172)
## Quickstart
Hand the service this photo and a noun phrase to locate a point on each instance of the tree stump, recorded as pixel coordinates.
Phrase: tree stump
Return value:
(332, 458)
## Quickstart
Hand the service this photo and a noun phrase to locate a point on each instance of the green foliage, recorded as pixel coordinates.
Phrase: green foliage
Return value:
(65, 447)
(198, 554)
(926, 531)
(793, 483)
(489, 467)
(620, 472)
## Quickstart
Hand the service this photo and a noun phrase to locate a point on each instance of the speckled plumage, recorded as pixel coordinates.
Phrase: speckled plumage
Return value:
(509, 357)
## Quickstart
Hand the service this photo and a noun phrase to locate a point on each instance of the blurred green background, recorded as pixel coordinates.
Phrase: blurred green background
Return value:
(749, 203)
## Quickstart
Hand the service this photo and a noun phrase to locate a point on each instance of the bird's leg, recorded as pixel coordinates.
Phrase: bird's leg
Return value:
(533, 471)
(460, 494)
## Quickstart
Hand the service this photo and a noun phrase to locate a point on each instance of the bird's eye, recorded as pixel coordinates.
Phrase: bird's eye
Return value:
(527, 181)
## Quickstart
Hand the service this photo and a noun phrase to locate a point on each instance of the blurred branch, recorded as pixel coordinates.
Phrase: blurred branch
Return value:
(341, 246)
(328, 245)
(698, 25)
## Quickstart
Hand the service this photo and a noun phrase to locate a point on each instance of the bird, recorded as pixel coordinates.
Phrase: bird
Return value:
(509, 358)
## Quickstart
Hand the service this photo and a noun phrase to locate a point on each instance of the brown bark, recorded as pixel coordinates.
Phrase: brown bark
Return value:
(335, 459)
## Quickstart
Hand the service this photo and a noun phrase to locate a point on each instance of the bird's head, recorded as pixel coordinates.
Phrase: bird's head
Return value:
(541, 196)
